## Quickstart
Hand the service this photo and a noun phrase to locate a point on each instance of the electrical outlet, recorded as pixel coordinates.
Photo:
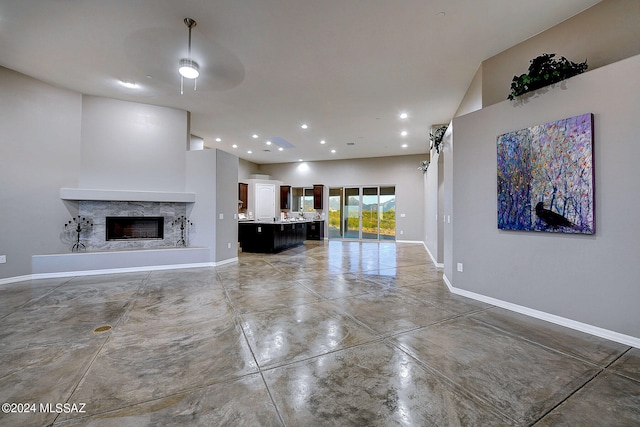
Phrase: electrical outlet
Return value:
(220, 216)
(401, 232)
(460, 267)
(3, 259)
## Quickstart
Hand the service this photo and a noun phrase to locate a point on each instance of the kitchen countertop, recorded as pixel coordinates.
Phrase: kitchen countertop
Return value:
(253, 221)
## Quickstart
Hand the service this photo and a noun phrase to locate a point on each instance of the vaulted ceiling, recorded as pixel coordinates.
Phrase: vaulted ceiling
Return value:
(345, 68)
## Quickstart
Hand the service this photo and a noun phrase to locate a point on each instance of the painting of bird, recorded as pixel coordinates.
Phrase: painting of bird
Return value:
(551, 218)
(545, 177)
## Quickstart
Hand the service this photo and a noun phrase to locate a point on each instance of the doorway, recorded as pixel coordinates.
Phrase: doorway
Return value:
(362, 213)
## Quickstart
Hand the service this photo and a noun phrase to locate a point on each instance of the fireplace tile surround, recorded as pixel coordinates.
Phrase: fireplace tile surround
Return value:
(97, 211)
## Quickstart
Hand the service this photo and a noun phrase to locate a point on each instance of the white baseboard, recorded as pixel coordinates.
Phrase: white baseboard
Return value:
(120, 270)
(438, 265)
(226, 261)
(15, 279)
(552, 318)
(137, 269)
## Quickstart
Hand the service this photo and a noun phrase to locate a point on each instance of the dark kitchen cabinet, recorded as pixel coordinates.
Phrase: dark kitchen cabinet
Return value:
(315, 230)
(285, 197)
(243, 196)
(270, 237)
(318, 196)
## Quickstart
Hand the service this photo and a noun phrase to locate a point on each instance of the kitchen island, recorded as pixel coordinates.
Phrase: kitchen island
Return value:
(270, 237)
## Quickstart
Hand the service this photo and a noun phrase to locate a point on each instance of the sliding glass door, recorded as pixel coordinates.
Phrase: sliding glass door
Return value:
(351, 213)
(335, 213)
(387, 222)
(363, 213)
(370, 225)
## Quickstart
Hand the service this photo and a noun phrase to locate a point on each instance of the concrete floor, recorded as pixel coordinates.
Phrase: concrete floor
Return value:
(329, 333)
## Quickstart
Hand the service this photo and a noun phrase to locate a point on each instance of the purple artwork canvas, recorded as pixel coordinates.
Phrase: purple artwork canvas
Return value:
(546, 177)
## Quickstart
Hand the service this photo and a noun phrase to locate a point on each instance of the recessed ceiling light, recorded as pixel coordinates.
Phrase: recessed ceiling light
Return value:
(405, 145)
(218, 139)
(403, 115)
(333, 151)
(249, 152)
(128, 84)
(304, 126)
(235, 145)
(268, 142)
(280, 148)
(299, 160)
(254, 136)
(323, 142)
(404, 133)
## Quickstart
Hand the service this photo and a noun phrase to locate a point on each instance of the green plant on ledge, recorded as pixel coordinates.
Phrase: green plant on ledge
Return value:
(436, 137)
(543, 71)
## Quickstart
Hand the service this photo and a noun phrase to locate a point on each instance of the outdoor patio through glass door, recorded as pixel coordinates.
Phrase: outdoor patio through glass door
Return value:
(363, 213)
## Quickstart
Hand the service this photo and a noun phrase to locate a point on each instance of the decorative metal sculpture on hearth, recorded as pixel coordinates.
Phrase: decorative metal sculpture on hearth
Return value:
(184, 224)
(78, 225)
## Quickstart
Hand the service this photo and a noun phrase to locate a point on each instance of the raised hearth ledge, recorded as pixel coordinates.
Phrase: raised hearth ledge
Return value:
(84, 263)
(126, 195)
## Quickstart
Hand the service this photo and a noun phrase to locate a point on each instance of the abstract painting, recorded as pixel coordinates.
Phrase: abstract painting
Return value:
(546, 179)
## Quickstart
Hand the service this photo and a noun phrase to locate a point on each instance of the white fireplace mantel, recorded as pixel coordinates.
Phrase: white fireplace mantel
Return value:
(126, 195)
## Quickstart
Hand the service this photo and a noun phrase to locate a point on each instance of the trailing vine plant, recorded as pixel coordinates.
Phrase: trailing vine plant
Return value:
(543, 71)
(424, 165)
(436, 136)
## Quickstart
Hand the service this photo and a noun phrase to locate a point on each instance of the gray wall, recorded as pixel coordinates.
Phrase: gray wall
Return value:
(132, 146)
(201, 179)
(602, 34)
(431, 229)
(227, 206)
(246, 169)
(213, 176)
(52, 138)
(589, 279)
(401, 171)
(39, 154)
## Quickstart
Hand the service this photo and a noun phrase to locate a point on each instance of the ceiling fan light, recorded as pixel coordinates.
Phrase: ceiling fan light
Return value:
(189, 69)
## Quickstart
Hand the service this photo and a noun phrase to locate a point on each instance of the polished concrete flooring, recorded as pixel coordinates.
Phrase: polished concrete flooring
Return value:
(329, 333)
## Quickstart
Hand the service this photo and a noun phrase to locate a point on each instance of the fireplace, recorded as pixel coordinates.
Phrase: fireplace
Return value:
(134, 228)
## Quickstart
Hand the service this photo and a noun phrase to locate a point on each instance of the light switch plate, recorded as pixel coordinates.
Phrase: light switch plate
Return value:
(3, 259)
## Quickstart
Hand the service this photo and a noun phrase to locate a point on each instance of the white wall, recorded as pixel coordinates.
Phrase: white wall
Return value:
(132, 146)
(588, 279)
(401, 171)
(39, 154)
